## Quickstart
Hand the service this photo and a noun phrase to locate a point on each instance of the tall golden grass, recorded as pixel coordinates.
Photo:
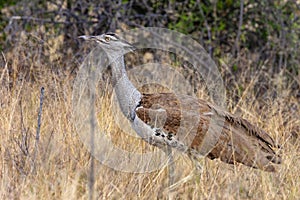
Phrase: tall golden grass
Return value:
(62, 162)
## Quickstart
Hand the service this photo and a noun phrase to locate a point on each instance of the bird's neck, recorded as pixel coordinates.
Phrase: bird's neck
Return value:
(118, 69)
(128, 96)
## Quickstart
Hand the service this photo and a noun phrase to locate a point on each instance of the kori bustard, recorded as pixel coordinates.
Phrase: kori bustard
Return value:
(237, 141)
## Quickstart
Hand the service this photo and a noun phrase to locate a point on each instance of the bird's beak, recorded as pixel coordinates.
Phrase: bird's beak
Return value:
(86, 37)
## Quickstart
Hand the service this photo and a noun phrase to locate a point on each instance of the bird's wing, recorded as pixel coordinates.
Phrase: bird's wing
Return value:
(206, 129)
(250, 128)
(181, 117)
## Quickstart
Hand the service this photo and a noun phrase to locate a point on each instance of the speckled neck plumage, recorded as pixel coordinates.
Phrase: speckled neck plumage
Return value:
(128, 96)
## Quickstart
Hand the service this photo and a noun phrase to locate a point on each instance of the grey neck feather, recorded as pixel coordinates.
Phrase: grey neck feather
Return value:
(128, 96)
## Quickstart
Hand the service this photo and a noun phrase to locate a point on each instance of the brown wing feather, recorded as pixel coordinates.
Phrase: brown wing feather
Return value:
(189, 118)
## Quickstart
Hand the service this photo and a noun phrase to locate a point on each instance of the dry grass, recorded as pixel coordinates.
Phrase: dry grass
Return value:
(63, 161)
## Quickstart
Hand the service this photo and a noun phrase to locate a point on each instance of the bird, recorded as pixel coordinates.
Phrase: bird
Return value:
(183, 122)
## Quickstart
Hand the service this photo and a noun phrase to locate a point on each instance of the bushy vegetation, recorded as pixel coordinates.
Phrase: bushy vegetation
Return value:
(254, 43)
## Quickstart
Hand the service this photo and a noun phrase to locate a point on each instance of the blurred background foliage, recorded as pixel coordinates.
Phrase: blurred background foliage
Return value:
(245, 35)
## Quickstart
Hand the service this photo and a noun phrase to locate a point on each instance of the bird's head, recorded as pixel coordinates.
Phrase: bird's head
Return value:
(111, 43)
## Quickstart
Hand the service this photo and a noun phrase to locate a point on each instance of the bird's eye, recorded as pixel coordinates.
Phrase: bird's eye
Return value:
(107, 39)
